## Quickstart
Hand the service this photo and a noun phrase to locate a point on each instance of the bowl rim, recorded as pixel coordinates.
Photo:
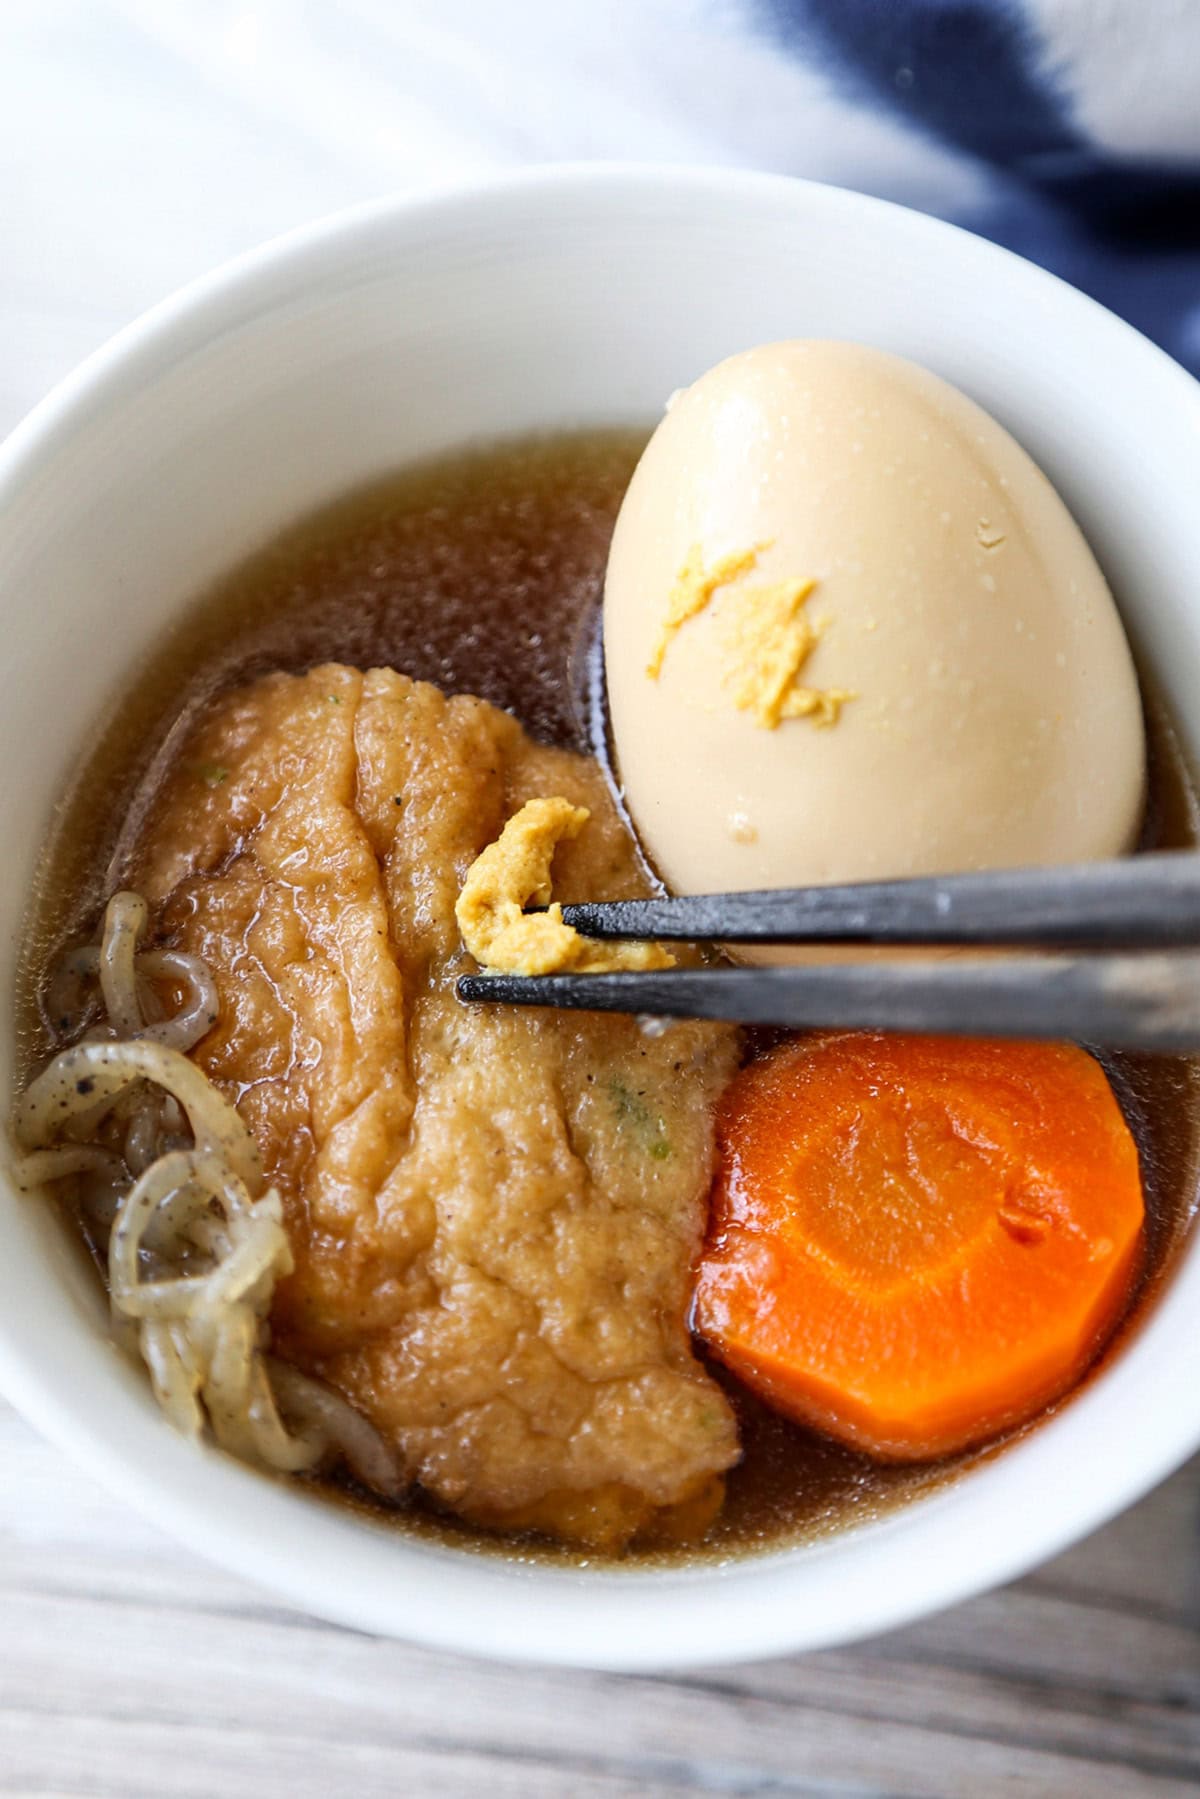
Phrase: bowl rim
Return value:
(885, 1591)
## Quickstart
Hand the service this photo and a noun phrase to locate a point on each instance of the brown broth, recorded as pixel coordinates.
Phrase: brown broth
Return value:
(482, 572)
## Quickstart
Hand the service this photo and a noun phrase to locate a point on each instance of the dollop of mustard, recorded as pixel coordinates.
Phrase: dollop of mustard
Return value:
(514, 872)
(694, 587)
(767, 637)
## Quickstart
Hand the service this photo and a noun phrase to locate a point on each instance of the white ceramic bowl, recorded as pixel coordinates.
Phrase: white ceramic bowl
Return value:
(556, 298)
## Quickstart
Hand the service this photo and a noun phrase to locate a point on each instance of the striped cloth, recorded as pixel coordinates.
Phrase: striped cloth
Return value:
(1081, 118)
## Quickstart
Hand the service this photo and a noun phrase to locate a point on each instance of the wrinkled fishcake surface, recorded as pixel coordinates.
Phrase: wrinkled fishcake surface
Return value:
(493, 1213)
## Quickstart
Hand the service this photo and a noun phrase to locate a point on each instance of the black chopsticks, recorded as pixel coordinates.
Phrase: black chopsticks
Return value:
(1138, 1001)
(1139, 998)
(1150, 902)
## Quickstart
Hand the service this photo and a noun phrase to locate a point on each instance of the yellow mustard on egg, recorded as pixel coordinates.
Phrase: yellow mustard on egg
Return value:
(514, 872)
(768, 638)
(694, 588)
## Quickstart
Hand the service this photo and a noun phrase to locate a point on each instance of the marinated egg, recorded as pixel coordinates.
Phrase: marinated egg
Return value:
(853, 633)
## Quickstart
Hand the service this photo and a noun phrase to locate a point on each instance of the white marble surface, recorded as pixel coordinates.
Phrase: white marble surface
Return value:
(140, 142)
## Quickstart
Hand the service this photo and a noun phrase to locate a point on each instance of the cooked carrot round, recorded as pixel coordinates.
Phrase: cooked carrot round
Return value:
(918, 1242)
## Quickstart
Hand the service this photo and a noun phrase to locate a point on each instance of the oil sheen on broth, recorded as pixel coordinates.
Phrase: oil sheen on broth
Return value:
(482, 573)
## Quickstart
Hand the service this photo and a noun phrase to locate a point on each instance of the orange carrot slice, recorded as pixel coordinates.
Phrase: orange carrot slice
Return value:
(918, 1242)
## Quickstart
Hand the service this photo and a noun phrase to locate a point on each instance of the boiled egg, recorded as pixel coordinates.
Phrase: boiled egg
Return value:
(853, 633)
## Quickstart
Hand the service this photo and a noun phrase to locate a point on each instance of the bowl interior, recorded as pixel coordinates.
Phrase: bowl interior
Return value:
(554, 300)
